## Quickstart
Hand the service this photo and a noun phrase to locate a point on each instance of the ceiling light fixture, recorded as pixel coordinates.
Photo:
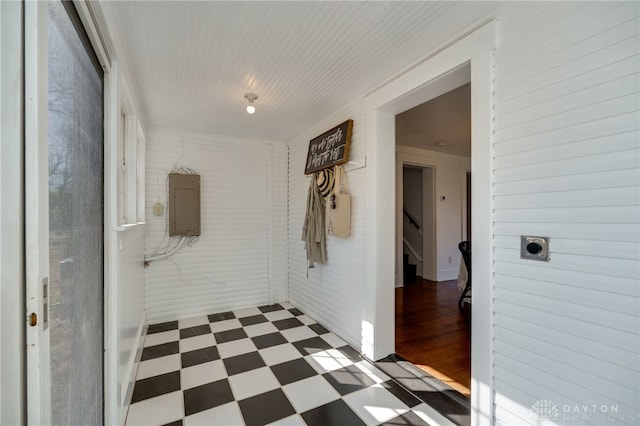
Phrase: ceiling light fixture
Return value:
(251, 97)
(440, 143)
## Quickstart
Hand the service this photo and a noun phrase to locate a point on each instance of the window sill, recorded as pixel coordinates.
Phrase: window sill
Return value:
(128, 226)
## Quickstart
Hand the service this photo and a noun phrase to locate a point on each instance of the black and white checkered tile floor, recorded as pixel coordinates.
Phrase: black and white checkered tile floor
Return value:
(258, 366)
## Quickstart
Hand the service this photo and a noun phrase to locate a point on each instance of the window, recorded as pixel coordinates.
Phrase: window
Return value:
(131, 164)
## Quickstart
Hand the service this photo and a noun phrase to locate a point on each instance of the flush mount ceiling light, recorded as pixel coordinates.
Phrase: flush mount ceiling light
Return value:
(440, 143)
(251, 97)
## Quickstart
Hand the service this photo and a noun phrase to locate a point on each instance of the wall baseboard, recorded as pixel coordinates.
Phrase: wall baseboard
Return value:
(448, 274)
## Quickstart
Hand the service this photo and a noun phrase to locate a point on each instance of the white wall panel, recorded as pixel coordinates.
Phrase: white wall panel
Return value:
(580, 343)
(566, 166)
(279, 232)
(131, 317)
(240, 257)
(575, 166)
(333, 293)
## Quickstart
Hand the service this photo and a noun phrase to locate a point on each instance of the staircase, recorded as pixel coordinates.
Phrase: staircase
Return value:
(412, 240)
(409, 270)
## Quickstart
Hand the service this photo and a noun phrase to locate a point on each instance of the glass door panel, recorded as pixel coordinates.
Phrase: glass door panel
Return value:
(76, 253)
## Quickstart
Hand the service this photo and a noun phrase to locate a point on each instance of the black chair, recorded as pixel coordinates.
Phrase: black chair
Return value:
(465, 249)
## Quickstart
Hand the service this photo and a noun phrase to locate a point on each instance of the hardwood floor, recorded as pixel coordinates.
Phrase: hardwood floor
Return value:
(433, 333)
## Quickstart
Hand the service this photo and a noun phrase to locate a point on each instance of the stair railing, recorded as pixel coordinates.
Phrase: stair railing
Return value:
(411, 220)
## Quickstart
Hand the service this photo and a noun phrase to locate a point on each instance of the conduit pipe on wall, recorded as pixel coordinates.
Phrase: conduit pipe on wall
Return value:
(167, 254)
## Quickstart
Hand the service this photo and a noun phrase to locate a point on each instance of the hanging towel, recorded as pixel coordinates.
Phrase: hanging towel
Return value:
(313, 231)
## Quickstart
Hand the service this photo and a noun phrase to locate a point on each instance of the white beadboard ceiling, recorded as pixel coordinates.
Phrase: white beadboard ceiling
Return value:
(193, 61)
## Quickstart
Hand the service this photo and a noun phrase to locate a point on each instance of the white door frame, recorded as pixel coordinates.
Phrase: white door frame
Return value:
(36, 187)
(36, 209)
(421, 83)
(401, 161)
(12, 275)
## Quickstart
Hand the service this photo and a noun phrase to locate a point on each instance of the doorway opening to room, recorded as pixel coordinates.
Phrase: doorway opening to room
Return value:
(468, 60)
(433, 215)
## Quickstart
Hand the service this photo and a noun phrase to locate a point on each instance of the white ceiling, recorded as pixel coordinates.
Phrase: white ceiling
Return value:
(445, 119)
(192, 62)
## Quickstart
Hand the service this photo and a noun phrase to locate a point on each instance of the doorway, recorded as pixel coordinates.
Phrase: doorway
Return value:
(64, 167)
(417, 223)
(436, 75)
(433, 140)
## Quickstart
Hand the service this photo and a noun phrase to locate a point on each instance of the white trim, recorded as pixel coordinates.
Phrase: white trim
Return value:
(141, 161)
(127, 227)
(464, 169)
(378, 326)
(416, 157)
(36, 207)
(131, 180)
(12, 307)
(429, 219)
(269, 196)
(482, 238)
(111, 353)
(87, 15)
(399, 270)
(411, 89)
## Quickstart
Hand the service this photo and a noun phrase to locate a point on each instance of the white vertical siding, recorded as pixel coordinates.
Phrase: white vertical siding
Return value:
(332, 293)
(242, 248)
(566, 165)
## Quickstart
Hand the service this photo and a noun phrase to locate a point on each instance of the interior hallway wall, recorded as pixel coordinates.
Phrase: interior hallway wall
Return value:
(565, 165)
(240, 258)
(333, 293)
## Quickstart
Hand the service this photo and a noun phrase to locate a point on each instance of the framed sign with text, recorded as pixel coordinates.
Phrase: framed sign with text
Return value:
(330, 148)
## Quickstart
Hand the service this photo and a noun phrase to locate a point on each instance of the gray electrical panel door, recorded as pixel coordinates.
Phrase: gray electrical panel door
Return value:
(184, 205)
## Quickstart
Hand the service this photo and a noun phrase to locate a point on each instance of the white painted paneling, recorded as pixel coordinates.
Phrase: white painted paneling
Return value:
(624, 303)
(240, 257)
(131, 317)
(567, 166)
(586, 180)
(333, 293)
(279, 234)
(581, 344)
(196, 59)
(596, 146)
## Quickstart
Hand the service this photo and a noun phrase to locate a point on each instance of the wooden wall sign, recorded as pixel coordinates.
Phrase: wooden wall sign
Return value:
(330, 148)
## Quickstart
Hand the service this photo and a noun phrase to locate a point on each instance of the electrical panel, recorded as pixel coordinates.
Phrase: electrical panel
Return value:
(184, 205)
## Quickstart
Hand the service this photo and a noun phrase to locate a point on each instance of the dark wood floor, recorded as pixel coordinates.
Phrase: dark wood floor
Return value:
(433, 333)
